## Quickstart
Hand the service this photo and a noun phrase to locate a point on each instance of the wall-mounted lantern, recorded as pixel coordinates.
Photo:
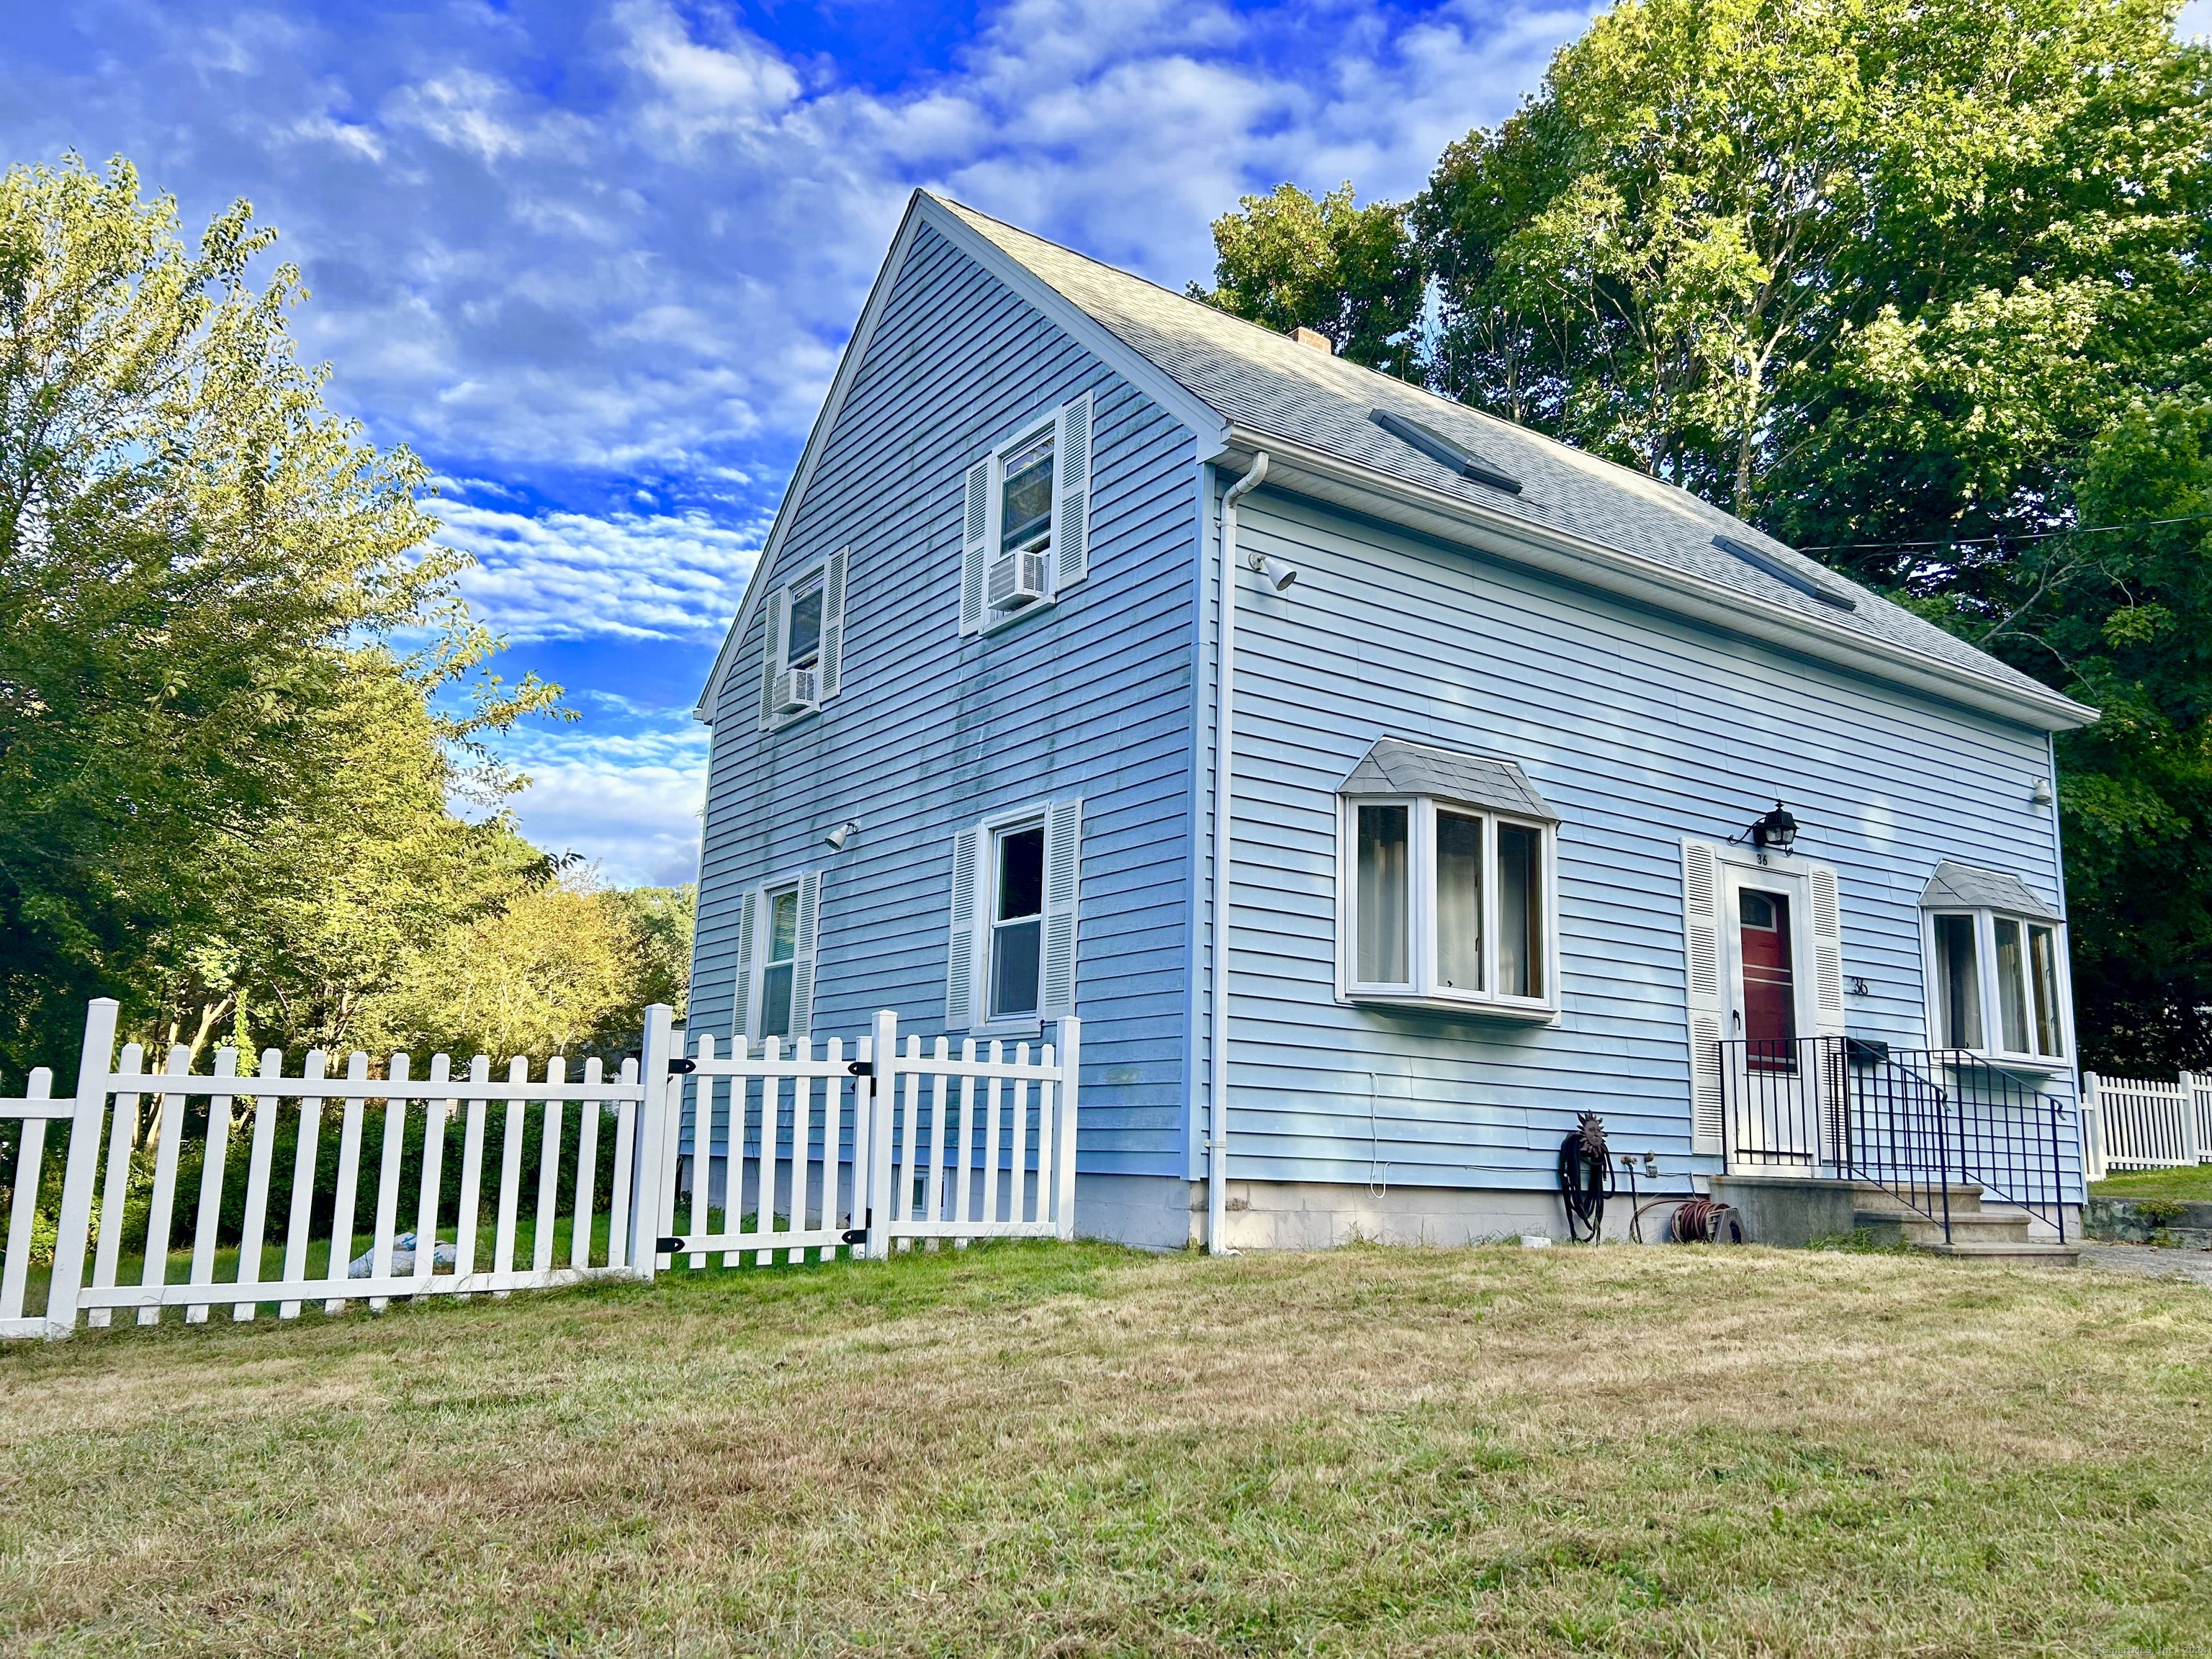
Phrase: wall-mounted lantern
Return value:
(1774, 832)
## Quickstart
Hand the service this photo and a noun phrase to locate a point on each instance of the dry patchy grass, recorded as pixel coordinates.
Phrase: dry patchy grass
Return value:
(1078, 1449)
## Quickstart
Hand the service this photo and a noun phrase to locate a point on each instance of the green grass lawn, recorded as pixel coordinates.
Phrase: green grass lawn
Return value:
(2186, 1186)
(1068, 1450)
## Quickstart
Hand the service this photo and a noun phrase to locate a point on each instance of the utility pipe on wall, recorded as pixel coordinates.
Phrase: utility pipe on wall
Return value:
(1225, 821)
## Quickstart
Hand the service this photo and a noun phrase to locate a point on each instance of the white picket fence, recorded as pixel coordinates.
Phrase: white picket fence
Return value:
(788, 1141)
(2140, 1123)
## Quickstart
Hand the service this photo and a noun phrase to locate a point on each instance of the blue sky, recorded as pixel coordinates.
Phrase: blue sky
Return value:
(594, 260)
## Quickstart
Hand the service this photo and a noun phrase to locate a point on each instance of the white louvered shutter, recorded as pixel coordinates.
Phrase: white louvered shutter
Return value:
(833, 622)
(742, 1011)
(771, 655)
(974, 546)
(1701, 943)
(962, 949)
(1071, 528)
(1063, 871)
(802, 955)
(1827, 953)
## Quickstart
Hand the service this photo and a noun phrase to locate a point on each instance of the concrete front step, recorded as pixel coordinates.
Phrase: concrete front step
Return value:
(2036, 1255)
(1919, 1229)
(1965, 1200)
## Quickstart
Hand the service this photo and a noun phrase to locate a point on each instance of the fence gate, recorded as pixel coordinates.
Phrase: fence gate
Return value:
(316, 1189)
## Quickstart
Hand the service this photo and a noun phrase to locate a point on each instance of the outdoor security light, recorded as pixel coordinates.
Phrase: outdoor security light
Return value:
(1775, 832)
(1281, 576)
(837, 837)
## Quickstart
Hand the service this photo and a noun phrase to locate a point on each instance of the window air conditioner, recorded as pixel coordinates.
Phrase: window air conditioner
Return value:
(796, 688)
(1016, 581)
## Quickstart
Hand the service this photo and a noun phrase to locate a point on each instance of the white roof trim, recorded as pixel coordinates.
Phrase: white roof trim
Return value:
(923, 209)
(1300, 470)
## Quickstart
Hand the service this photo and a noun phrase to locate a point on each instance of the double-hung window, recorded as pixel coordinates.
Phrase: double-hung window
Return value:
(1447, 895)
(1015, 890)
(804, 639)
(1995, 966)
(778, 924)
(1025, 529)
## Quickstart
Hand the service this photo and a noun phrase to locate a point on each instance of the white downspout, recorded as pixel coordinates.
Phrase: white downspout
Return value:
(1224, 822)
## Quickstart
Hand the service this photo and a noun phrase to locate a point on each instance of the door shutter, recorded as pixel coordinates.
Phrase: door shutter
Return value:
(1071, 529)
(1827, 953)
(1063, 870)
(771, 656)
(833, 622)
(742, 1011)
(1701, 947)
(802, 956)
(975, 542)
(961, 950)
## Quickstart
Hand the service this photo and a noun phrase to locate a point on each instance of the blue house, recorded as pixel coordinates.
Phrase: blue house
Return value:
(1552, 789)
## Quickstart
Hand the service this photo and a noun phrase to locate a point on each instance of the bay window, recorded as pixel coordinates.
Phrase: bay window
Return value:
(1996, 979)
(1448, 899)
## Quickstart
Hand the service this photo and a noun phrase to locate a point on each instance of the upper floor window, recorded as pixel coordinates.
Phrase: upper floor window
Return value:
(803, 643)
(1451, 897)
(1026, 519)
(1995, 966)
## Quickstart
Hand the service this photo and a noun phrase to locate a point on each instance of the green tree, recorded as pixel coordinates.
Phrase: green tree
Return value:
(1855, 270)
(1287, 261)
(197, 562)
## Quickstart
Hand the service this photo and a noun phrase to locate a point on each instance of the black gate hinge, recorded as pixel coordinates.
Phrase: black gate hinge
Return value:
(854, 1236)
(668, 1246)
(862, 1068)
(682, 1067)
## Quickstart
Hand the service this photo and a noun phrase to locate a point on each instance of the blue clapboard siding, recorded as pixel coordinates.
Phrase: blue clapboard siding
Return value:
(1640, 730)
(931, 732)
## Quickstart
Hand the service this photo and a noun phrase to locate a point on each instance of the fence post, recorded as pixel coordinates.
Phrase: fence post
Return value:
(654, 1078)
(878, 1220)
(2192, 1147)
(2198, 1087)
(95, 1061)
(2093, 1130)
(1063, 1140)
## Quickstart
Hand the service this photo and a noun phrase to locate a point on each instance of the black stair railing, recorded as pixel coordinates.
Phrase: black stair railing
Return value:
(1915, 1122)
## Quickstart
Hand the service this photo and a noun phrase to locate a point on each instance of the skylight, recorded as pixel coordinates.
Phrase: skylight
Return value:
(1787, 575)
(1442, 451)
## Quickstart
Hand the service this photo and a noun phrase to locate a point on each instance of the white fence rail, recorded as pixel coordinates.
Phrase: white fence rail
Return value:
(2140, 1123)
(318, 1190)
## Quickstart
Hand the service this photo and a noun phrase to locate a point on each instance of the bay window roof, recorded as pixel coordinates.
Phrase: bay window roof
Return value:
(1962, 887)
(1394, 767)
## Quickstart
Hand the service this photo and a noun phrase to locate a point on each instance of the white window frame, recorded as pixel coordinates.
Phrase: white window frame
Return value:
(756, 933)
(1055, 423)
(1059, 915)
(830, 574)
(1991, 1047)
(1046, 426)
(1425, 989)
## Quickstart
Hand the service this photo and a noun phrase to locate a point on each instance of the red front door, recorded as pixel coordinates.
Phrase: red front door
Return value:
(1770, 981)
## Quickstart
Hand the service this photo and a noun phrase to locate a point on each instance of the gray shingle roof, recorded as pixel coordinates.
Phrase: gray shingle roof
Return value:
(1394, 767)
(1264, 382)
(1963, 887)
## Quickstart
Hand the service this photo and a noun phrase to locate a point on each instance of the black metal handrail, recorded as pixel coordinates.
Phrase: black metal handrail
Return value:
(1912, 1122)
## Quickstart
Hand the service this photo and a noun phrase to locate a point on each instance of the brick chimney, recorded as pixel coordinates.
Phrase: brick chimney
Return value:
(1307, 336)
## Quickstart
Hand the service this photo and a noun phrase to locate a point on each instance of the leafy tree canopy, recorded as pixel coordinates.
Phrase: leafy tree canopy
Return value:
(224, 782)
(1288, 261)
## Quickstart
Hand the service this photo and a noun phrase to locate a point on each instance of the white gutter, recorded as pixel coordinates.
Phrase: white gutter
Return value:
(1224, 824)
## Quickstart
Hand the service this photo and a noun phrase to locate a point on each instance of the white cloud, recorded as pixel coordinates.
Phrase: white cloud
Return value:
(628, 802)
(560, 575)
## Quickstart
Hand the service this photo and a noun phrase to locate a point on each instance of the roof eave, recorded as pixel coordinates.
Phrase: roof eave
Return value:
(1301, 470)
